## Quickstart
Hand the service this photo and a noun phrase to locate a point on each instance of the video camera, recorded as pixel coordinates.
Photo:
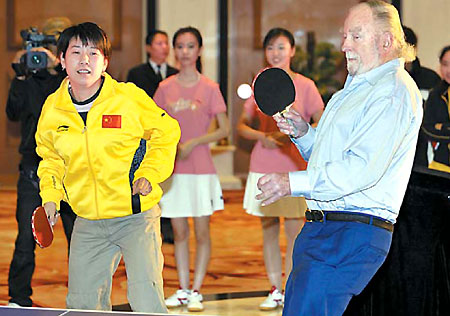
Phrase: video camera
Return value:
(32, 38)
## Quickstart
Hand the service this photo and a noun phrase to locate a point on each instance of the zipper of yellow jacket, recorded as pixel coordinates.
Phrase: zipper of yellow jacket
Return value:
(91, 168)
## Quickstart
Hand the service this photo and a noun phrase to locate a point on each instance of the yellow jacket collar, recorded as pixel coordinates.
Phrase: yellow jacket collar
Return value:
(64, 101)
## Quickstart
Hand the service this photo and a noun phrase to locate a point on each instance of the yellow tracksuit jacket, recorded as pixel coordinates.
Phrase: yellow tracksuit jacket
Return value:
(88, 165)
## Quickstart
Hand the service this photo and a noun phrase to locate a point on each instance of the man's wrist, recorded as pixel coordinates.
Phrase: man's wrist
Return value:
(301, 134)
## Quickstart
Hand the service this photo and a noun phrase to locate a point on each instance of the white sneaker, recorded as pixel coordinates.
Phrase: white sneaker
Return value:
(10, 304)
(179, 298)
(273, 300)
(195, 302)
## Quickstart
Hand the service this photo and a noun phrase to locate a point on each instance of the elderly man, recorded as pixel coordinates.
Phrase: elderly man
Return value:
(360, 159)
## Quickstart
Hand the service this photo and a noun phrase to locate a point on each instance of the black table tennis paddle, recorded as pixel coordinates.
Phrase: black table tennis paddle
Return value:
(274, 91)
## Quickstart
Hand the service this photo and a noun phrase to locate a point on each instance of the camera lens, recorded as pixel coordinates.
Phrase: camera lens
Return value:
(36, 59)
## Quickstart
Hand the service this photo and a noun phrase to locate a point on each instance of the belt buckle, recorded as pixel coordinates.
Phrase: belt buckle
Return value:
(315, 216)
(319, 216)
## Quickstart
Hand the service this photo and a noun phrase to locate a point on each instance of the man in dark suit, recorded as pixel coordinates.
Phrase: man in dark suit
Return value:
(426, 79)
(147, 76)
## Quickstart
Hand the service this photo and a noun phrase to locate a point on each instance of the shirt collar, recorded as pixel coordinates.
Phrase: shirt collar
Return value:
(372, 76)
(155, 66)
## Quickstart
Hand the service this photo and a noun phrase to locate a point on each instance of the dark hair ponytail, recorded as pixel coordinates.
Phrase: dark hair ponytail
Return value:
(198, 36)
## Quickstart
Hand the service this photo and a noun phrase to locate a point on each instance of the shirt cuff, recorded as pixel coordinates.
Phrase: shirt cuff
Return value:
(299, 184)
(306, 141)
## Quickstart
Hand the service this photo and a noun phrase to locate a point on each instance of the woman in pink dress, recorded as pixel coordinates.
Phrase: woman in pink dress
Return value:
(194, 189)
(274, 152)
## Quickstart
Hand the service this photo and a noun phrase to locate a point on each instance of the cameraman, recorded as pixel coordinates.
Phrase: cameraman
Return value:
(28, 91)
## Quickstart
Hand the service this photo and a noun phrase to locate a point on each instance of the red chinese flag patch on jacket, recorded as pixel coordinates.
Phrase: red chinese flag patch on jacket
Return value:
(111, 121)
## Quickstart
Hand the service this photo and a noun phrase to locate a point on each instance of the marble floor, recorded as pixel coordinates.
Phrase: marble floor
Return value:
(234, 284)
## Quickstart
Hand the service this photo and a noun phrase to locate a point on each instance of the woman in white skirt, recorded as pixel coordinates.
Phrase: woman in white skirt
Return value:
(194, 189)
(274, 152)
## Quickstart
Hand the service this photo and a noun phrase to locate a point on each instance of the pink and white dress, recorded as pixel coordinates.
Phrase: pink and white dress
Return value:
(194, 188)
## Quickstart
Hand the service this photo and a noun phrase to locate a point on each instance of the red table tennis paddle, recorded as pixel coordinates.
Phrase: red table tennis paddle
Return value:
(273, 90)
(41, 227)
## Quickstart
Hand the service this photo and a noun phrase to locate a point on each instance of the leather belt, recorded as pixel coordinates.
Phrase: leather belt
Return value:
(320, 216)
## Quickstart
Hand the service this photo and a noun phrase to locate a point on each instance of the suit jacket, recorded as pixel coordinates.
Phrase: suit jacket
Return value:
(145, 78)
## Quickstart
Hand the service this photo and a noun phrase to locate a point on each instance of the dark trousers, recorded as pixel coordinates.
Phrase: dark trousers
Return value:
(166, 230)
(23, 262)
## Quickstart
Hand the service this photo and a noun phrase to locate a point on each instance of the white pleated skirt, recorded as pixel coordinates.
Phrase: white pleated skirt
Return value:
(290, 207)
(191, 195)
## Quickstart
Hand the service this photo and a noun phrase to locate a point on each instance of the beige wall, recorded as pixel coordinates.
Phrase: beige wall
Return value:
(201, 14)
(430, 21)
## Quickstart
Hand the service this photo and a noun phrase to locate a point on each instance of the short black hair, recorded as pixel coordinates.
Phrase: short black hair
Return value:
(443, 52)
(410, 36)
(87, 32)
(151, 35)
(275, 33)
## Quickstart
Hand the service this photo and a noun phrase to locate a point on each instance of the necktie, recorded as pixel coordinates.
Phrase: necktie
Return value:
(158, 73)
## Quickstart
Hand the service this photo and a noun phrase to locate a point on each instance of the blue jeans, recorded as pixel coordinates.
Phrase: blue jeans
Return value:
(332, 262)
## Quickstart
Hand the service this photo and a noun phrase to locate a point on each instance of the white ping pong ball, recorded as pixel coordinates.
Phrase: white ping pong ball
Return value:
(244, 91)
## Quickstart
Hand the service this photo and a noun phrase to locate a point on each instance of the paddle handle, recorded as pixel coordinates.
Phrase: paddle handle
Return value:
(288, 120)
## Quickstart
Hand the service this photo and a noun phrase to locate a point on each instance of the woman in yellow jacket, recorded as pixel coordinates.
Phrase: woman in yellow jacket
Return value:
(88, 135)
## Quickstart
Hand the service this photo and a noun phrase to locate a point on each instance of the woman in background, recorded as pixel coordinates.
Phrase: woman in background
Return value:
(436, 118)
(194, 189)
(273, 152)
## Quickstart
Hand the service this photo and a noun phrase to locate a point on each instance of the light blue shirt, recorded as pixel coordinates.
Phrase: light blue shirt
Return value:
(360, 155)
